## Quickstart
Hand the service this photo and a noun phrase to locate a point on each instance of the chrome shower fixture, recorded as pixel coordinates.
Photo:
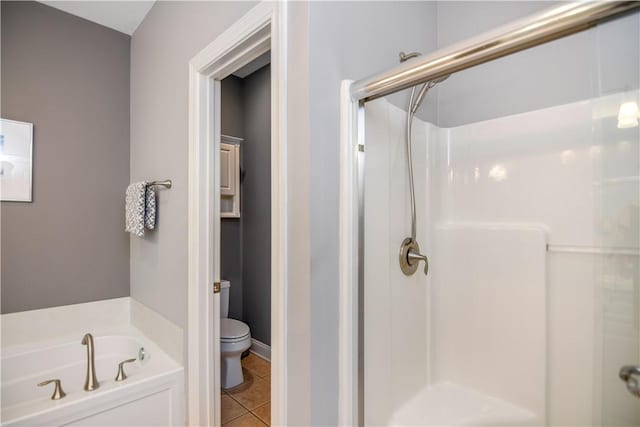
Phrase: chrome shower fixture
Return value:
(423, 91)
(410, 255)
(406, 56)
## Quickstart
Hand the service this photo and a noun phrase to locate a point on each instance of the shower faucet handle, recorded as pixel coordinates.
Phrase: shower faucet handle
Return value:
(58, 392)
(121, 375)
(415, 257)
(627, 374)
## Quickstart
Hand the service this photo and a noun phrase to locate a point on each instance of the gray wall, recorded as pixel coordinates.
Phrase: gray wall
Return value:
(256, 205)
(347, 40)
(246, 112)
(232, 124)
(170, 35)
(297, 315)
(70, 78)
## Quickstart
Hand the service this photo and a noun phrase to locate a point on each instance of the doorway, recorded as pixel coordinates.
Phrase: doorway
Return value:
(245, 245)
(258, 32)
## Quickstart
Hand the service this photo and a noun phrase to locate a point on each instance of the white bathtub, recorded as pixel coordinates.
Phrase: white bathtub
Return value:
(152, 395)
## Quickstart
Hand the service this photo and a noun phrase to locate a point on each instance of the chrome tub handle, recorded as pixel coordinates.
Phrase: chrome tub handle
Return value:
(58, 392)
(121, 374)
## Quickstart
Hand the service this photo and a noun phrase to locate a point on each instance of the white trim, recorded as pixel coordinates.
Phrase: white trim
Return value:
(260, 349)
(228, 139)
(348, 260)
(279, 218)
(262, 29)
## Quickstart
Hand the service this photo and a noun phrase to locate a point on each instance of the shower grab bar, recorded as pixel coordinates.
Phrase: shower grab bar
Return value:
(539, 28)
(593, 250)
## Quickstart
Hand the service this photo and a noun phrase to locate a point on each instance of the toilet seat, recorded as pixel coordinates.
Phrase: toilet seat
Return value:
(232, 330)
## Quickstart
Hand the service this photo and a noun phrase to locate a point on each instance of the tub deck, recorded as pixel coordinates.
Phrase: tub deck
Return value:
(151, 395)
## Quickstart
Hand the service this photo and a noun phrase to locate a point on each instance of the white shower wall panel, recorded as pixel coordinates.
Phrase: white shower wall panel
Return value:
(567, 172)
(396, 314)
(570, 170)
(522, 169)
(489, 305)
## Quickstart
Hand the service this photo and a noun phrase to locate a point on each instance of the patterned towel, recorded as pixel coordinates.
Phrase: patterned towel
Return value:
(150, 208)
(140, 208)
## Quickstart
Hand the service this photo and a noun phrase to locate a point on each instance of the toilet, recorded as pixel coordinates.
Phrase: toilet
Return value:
(235, 339)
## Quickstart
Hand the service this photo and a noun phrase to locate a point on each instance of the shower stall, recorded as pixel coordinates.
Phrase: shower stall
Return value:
(527, 207)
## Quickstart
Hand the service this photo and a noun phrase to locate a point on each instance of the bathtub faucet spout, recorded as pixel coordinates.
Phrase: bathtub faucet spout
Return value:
(91, 383)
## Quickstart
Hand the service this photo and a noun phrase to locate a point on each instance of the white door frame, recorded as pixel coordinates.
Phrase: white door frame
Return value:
(262, 29)
(350, 247)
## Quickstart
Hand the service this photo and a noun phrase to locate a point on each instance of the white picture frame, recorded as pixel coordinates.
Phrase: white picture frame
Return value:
(16, 161)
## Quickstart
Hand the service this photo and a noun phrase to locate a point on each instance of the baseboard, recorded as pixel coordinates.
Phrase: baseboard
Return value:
(260, 349)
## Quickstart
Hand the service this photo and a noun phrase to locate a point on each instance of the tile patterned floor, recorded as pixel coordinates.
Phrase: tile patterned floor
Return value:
(249, 404)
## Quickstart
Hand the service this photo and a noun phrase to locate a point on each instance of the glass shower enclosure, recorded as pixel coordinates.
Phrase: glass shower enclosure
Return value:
(528, 208)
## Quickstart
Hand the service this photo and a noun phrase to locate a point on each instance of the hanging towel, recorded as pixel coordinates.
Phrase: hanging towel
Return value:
(135, 201)
(150, 207)
(140, 208)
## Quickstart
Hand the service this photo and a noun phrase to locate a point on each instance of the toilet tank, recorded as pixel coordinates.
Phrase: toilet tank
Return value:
(224, 298)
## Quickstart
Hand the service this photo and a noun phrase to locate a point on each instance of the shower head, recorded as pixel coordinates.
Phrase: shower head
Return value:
(425, 87)
(423, 91)
(440, 79)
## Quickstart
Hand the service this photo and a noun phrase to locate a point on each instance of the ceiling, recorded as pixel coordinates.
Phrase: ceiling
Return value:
(123, 16)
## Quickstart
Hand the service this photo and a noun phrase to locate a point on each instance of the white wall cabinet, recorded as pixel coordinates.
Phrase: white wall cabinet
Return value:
(230, 176)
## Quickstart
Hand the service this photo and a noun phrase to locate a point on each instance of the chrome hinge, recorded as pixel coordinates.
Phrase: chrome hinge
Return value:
(216, 288)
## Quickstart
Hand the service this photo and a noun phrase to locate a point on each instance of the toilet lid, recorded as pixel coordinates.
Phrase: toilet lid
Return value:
(231, 329)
